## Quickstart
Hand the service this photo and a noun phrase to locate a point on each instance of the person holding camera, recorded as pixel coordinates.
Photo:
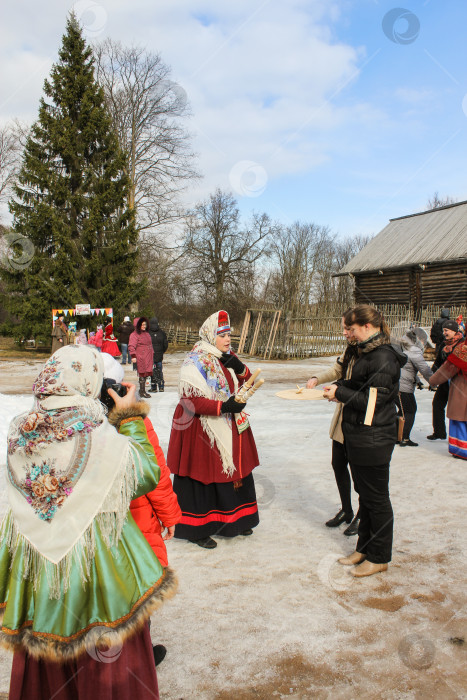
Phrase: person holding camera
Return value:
(78, 580)
(212, 451)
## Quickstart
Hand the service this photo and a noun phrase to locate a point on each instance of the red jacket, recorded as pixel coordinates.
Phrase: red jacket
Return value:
(190, 452)
(158, 506)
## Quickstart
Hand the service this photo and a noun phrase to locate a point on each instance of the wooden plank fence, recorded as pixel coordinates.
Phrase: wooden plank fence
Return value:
(275, 334)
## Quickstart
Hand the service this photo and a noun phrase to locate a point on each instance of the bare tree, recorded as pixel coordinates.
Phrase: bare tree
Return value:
(148, 110)
(223, 252)
(435, 202)
(10, 158)
(299, 251)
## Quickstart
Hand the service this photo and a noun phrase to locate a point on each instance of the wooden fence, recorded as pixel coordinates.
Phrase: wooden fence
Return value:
(273, 334)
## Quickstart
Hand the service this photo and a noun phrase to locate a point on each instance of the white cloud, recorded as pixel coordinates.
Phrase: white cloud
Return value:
(262, 77)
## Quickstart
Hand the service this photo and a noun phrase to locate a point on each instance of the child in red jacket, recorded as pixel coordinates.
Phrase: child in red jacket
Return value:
(158, 509)
(155, 511)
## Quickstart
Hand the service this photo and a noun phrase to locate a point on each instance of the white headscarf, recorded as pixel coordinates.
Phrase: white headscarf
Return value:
(66, 464)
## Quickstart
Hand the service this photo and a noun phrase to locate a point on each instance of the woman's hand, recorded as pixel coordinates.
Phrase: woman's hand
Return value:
(169, 533)
(123, 402)
(311, 383)
(330, 392)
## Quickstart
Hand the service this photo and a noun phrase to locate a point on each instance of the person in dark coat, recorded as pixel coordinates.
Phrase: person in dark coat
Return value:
(451, 337)
(160, 345)
(436, 333)
(124, 332)
(370, 433)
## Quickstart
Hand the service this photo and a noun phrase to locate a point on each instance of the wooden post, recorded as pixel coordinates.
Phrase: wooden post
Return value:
(244, 333)
(256, 333)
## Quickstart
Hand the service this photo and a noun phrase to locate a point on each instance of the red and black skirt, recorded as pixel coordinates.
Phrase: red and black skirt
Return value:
(215, 509)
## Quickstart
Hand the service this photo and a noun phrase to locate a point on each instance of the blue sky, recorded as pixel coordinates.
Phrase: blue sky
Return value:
(308, 109)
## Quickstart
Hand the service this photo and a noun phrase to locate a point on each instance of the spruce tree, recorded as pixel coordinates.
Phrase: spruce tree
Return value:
(71, 201)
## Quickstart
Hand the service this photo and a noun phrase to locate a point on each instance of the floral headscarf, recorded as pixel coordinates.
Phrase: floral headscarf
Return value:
(63, 456)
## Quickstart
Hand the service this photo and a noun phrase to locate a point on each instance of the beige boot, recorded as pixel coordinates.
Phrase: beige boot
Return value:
(354, 558)
(368, 568)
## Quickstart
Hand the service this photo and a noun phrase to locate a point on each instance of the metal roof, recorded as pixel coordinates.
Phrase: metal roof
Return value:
(438, 235)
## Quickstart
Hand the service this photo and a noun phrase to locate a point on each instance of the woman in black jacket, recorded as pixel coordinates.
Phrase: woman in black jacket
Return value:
(370, 433)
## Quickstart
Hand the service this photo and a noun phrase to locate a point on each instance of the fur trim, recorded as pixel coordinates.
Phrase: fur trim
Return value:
(374, 342)
(139, 409)
(99, 635)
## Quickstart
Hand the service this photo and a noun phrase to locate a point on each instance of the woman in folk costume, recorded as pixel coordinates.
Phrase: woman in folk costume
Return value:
(78, 580)
(212, 451)
(59, 335)
(454, 370)
(110, 344)
(142, 353)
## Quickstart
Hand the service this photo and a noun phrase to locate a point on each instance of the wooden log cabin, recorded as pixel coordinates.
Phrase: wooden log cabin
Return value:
(416, 260)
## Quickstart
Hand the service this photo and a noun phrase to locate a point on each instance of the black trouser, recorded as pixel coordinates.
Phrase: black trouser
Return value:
(440, 400)
(409, 405)
(340, 463)
(376, 515)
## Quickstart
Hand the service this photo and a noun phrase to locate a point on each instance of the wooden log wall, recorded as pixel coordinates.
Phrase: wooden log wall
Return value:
(375, 289)
(439, 284)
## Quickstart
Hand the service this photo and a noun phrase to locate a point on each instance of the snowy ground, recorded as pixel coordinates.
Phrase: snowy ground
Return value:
(273, 615)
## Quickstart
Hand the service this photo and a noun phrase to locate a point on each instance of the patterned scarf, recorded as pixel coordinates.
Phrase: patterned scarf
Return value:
(202, 375)
(66, 466)
(458, 357)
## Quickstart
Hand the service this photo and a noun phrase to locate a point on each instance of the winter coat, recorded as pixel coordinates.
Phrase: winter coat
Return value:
(59, 337)
(159, 340)
(159, 508)
(140, 348)
(124, 332)
(190, 451)
(457, 401)
(370, 436)
(332, 375)
(436, 333)
(415, 364)
(99, 338)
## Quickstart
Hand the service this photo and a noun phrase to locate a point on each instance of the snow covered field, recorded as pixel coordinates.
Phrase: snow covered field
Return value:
(274, 615)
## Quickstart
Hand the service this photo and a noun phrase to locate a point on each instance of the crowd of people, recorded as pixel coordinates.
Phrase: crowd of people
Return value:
(372, 380)
(83, 561)
(141, 343)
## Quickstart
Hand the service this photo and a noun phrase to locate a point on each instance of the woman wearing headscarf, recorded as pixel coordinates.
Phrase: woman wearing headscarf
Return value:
(369, 428)
(454, 370)
(212, 451)
(78, 580)
(59, 335)
(141, 352)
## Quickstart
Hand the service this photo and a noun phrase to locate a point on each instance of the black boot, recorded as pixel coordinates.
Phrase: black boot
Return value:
(340, 518)
(153, 390)
(142, 389)
(206, 543)
(159, 651)
(353, 527)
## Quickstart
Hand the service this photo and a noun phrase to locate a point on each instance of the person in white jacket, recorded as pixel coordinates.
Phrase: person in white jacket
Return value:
(413, 344)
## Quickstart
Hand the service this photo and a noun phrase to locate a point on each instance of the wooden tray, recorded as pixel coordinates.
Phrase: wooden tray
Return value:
(305, 395)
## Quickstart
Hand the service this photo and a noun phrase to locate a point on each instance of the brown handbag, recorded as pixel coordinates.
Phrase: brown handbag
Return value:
(400, 422)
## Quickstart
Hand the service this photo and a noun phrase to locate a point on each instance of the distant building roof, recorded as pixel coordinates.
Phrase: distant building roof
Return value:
(438, 235)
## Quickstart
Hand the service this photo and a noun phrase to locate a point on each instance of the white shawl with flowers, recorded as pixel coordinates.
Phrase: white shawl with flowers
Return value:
(202, 376)
(66, 467)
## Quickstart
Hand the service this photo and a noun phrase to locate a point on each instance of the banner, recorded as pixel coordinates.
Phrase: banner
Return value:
(83, 309)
